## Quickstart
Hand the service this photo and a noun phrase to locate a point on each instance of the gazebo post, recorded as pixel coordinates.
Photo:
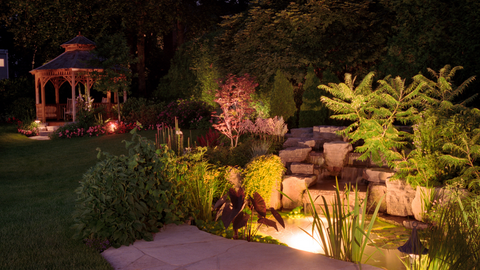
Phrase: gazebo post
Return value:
(56, 84)
(42, 86)
(37, 97)
(74, 109)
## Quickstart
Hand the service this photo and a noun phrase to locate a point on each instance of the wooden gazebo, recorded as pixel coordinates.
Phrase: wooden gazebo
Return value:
(72, 66)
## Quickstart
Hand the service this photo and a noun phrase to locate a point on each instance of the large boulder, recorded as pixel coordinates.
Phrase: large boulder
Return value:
(422, 196)
(335, 154)
(377, 175)
(327, 133)
(276, 198)
(294, 154)
(299, 142)
(354, 160)
(377, 192)
(399, 198)
(439, 195)
(294, 186)
(291, 142)
(305, 142)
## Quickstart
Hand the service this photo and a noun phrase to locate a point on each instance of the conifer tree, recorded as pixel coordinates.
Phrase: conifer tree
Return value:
(312, 112)
(282, 101)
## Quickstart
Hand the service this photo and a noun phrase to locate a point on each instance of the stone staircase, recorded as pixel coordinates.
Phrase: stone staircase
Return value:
(316, 158)
(45, 129)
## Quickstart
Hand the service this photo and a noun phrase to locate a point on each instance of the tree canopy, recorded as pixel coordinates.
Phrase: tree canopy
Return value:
(259, 37)
(345, 36)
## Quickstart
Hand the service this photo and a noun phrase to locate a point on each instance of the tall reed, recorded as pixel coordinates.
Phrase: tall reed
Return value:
(346, 231)
(172, 138)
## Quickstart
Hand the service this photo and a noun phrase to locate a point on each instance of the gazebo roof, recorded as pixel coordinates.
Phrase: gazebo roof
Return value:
(77, 55)
(78, 40)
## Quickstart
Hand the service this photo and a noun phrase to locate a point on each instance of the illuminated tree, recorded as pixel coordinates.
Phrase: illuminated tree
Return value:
(234, 98)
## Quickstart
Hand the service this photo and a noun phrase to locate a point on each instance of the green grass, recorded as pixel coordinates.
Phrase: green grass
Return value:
(37, 183)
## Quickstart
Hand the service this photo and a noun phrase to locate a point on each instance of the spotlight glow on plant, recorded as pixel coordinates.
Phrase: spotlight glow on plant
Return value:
(112, 126)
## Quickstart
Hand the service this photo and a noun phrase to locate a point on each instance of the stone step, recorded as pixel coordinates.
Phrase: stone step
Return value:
(294, 154)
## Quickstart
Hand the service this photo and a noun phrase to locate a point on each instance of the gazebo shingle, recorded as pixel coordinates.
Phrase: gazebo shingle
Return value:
(79, 40)
(77, 55)
(70, 59)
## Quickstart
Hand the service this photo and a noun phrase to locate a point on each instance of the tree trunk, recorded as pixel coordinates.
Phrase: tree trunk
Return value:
(141, 63)
(180, 35)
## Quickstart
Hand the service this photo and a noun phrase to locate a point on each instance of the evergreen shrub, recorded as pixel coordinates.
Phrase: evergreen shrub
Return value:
(227, 156)
(312, 112)
(282, 101)
(193, 73)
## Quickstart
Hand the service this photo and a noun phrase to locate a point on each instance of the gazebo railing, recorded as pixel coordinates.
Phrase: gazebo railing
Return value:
(55, 111)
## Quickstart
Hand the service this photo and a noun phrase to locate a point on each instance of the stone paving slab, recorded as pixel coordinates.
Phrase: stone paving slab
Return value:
(185, 247)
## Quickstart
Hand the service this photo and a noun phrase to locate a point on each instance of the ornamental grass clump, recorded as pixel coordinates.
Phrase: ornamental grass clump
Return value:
(273, 128)
(453, 241)
(205, 183)
(346, 231)
(172, 137)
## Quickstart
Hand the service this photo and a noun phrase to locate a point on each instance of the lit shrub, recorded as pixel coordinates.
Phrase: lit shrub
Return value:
(28, 128)
(262, 175)
(128, 197)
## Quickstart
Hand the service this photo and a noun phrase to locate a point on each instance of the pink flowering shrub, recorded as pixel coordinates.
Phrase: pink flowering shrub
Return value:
(27, 128)
(112, 127)
(266, 127)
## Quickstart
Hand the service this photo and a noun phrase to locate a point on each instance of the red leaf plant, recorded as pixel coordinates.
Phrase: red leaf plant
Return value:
(234, 98)
(211, 139)
(233, 212)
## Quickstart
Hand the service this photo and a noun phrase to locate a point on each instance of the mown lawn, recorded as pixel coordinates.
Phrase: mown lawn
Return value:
(37, 183)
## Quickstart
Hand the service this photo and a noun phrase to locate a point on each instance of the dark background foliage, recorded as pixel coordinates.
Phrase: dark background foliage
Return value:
(182, 47)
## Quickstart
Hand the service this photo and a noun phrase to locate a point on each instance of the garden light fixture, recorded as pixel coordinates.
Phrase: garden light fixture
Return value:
(413, 246)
